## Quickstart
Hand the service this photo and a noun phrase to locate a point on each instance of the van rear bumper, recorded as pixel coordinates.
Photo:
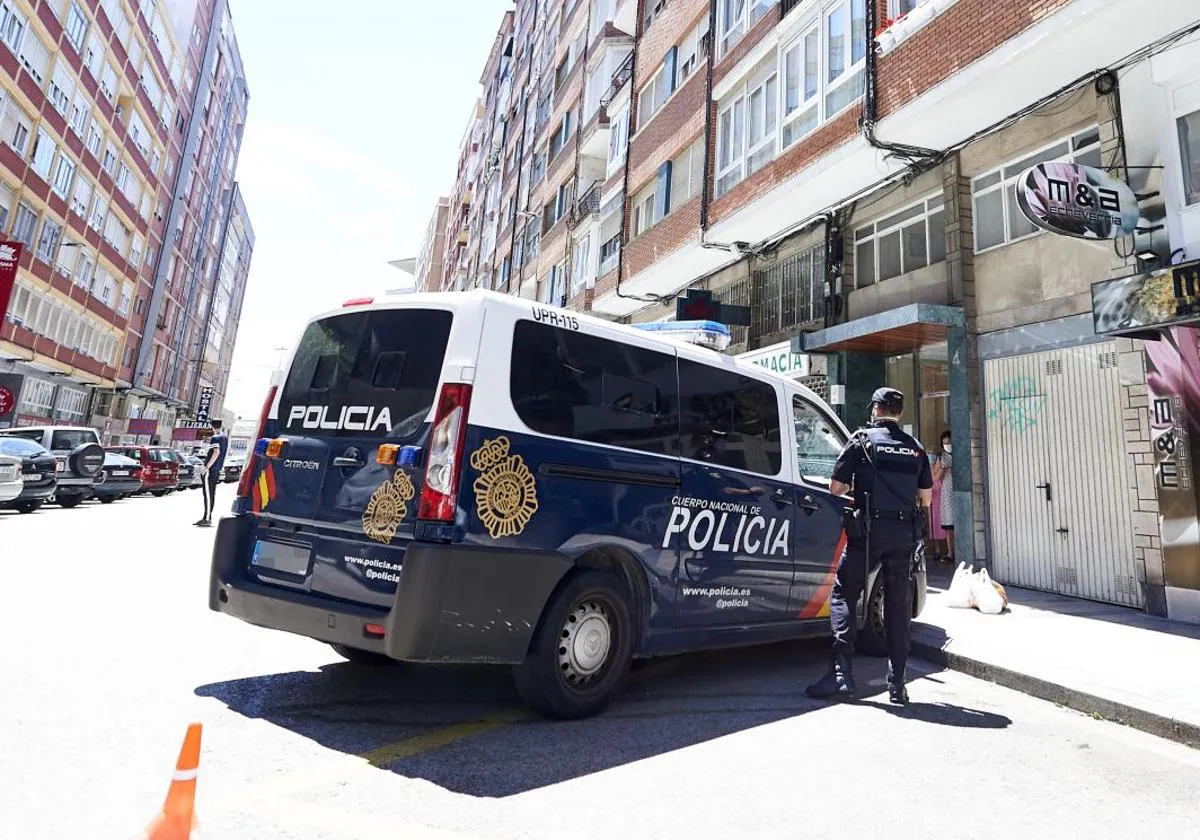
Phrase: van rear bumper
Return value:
(454, 603)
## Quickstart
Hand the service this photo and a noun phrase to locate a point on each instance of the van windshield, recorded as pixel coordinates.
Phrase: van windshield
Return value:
(366, 374)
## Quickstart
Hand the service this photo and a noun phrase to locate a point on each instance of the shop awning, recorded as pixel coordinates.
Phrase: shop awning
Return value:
(901, 330)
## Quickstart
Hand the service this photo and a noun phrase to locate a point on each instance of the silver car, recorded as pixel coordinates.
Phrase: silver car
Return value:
(11, 482)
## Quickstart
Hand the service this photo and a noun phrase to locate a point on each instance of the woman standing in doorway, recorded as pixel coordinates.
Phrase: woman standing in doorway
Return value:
(944, 478)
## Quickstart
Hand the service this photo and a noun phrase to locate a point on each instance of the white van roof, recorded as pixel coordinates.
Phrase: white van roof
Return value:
(594, 325)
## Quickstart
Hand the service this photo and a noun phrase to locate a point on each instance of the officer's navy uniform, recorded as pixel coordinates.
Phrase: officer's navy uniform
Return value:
(889, 480)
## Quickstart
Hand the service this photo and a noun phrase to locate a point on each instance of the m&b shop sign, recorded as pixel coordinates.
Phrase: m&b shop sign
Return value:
(1076, 200)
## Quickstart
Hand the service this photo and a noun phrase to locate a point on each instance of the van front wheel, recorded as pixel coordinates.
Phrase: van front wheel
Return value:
(581, 650)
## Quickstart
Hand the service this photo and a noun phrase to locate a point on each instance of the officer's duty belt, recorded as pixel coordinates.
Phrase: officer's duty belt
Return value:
(894, 515)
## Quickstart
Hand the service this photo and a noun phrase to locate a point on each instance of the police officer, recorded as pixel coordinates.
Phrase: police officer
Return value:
(888, 473)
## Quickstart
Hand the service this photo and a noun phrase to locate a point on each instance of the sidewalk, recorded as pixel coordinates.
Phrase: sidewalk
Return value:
(1117, 663)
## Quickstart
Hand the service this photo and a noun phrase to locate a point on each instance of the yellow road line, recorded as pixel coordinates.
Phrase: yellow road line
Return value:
(391, 753)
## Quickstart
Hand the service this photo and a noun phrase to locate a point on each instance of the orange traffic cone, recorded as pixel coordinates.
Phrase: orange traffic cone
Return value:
(177, 818)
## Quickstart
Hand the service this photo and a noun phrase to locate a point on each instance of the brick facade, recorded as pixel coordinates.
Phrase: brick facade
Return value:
(673, 129)
(676, 20)
(680, 225)
(961, 35)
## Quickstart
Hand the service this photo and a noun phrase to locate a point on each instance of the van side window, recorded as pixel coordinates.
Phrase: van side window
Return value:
(817, 442)
(573, 385)
(728, 419)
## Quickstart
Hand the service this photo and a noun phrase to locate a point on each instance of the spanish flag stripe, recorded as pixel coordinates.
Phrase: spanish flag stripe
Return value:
(263, 489)
(270, 474)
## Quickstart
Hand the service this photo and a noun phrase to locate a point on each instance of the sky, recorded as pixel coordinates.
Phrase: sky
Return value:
(353, 133)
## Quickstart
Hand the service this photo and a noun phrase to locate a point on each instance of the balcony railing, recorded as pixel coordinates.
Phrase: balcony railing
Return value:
(587, 204)
(786, 6)
(620, 78)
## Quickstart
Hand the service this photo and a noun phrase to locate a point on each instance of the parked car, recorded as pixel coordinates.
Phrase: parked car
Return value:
(189, 473)
(79, 455)
(120, 478)
(11, 481)
(233, 469)
(160, 474)
(198, 463)
(39, 471)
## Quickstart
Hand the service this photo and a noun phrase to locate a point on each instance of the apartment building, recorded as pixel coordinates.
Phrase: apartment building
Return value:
(97, 108)
(973, 201)
(428, 270)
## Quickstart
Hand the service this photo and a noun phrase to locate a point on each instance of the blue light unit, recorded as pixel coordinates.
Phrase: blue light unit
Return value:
(711, 334)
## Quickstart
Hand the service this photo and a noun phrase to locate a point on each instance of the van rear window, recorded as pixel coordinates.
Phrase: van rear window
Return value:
(73, 439)
(371, 374)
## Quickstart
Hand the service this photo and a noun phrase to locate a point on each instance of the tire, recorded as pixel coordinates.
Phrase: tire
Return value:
(362, 657)
(158, 493)
(106, 500)
(871, 640)
(27, 507)
(87, 460)
(69, 501)
(581, 650)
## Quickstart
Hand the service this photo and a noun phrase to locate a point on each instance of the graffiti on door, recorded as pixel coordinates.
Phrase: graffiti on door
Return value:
(1016, 404)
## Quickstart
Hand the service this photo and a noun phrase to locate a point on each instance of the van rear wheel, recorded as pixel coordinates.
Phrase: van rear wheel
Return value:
(362, 657)
(581, 650)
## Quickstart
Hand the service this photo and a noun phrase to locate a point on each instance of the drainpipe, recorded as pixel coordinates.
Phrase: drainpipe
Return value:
(637, 39)
(917, 157)
(706, 179)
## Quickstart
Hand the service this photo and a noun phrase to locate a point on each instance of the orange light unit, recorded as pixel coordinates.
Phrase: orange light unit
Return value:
(275, 447)
(375, 630)
(387, 454)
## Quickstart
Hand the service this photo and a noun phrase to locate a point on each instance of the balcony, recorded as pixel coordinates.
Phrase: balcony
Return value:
(587, 206)
(626, 17)
(620, 78)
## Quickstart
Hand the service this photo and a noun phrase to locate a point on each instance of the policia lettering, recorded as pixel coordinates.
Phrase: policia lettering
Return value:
(725, 526)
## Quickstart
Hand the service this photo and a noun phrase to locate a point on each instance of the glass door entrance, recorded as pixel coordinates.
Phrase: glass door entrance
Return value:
(924, 375)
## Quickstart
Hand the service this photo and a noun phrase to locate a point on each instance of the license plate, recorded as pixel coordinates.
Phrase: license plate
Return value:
(59, 466)
(8, 474)
(33, 476)
(281, 557)
(119, 473)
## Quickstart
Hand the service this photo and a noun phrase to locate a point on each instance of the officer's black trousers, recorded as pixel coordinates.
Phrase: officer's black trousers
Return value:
(893, 545)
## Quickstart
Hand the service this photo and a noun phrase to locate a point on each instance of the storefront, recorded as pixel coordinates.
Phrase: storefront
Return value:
(37, 399)
(809, 371)
(920, 350)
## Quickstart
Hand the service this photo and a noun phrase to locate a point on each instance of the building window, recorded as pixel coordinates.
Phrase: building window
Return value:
(653, 96)
(557, 207)
(747, 127)
(63, 175)
(558, 140)
(791, 291)
(687, 174)
(16, 128)
(76, 27)
(62, 87)
(43, 154)
(905, 241)
(654, 8)
(736, 17)
(1189, 153)
(12, 26)
(692, 51)
(581, 265)
(610, 255)
(998, 219)
(24, 225)
(37, 398)
(35, 57)
(618, 140)
(48, 241)
(643, 209)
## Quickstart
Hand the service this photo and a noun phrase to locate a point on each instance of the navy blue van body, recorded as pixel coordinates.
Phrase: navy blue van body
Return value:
(478, 478)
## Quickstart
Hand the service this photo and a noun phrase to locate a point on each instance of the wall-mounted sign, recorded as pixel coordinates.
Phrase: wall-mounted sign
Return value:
(10, 390)
(1167, 297)
(143, 426)
(781, 359)
(1075, 200)
(10, 256)
(202, 409)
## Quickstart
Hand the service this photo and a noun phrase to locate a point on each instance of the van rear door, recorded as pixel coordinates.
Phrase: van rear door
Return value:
(359, 380)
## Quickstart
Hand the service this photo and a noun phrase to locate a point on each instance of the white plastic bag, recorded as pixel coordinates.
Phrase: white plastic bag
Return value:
(960, 594)
(987, 595)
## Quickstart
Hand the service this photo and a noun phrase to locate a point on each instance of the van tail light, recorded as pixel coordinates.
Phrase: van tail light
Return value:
(243, 490)
(439, 495)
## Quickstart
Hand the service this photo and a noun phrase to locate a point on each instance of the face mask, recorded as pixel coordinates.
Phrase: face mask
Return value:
(946, 446)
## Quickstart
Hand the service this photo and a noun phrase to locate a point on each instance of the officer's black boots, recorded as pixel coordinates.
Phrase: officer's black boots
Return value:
(838, 683)
(897, 692)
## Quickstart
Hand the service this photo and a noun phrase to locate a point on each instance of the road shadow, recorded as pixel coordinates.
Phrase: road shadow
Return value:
(666, 705)
(943, 714)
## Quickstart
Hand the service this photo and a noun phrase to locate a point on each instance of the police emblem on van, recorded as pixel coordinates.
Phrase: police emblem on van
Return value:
(351, 418)
(388, 507)
(505, 491)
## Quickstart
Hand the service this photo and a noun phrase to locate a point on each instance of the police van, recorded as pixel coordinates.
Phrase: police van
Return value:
(478, 478)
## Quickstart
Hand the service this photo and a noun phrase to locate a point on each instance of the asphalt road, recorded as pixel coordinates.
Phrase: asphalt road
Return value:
(110, 651)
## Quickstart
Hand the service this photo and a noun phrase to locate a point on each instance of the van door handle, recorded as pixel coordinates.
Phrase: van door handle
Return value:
(809, 505)
(346, 461)
(1045, 487)
(782, 497)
